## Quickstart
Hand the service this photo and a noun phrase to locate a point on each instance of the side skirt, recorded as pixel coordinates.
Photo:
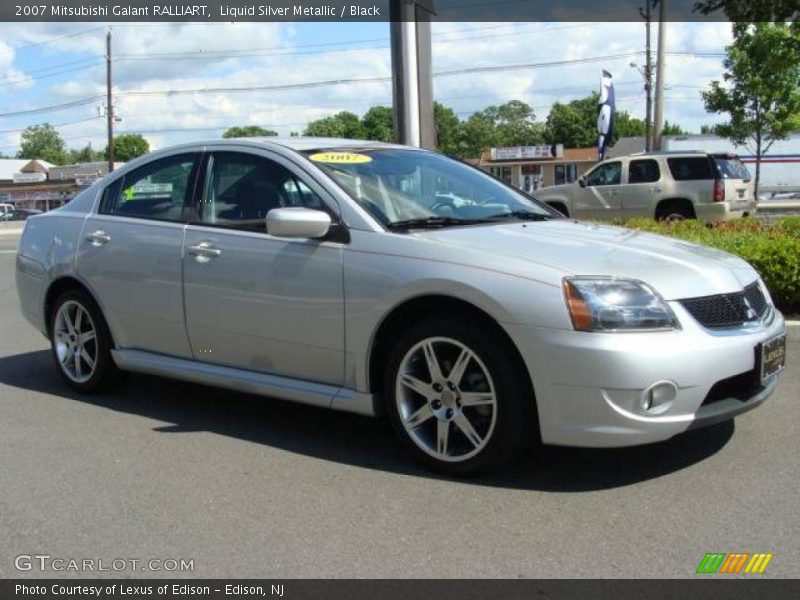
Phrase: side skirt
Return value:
(250, 382)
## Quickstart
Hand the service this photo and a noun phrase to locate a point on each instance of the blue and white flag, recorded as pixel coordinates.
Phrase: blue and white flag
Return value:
(605, 115)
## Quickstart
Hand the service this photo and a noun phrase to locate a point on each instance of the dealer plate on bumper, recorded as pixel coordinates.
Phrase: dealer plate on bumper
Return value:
(772, 356)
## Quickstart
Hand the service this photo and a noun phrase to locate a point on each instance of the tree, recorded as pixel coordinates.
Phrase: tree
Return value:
(627, 126)
(475, 135)
(128, 146)
(86, 154)
(447, 126)
(762, 91)
(574, 124)
(42, 142)
(709, 130)
(515, 124)
(248, 131)
(754, 11)
(378, 124)
(673, 129)
(342, 125)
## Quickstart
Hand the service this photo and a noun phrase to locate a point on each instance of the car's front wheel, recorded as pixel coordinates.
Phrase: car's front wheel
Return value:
(81, 343)
(457, 397)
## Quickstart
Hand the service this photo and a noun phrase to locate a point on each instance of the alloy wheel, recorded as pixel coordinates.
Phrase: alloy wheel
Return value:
(75, 339)
(446, 399)
(675, 218)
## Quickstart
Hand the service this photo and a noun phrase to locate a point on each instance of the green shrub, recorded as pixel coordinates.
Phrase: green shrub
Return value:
(789, 225)
(773, 251)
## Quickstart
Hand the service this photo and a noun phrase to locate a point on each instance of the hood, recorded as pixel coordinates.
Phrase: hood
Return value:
(677, 269)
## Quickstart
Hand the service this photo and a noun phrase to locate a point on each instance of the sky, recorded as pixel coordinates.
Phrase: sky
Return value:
(55, 64)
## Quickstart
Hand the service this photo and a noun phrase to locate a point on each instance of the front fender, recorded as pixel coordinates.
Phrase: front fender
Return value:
(377, 283)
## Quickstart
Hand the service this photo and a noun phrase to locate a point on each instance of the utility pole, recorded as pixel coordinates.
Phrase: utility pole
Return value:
(648, 79)
(412, 76)
(109, 105)
(658, 120)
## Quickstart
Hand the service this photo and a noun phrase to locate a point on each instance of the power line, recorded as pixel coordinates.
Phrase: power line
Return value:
(53, 107)
(57, 38)
(298, 124)
(327, 83)
(55, 125)
(208, 54)
(291, 50)
(57, 66)
(24, 80)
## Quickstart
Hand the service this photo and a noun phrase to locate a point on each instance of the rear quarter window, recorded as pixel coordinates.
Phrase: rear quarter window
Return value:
(690, 168)
(731, 167)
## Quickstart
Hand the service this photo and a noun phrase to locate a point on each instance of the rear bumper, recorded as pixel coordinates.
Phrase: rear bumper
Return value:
(723, 211)
(590, 387)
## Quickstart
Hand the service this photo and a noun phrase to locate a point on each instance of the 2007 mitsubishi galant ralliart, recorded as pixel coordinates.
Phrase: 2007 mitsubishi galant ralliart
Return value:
(387, 280)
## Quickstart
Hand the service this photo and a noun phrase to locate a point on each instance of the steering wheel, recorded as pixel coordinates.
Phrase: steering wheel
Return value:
(443, 203)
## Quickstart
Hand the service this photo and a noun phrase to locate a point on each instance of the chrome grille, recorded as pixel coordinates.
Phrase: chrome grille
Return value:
(728, 310)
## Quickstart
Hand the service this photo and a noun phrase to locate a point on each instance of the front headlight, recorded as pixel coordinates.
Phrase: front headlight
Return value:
(609, 304)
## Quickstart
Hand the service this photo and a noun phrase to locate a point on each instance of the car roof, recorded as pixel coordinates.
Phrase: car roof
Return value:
(684, 153)
(301, 144)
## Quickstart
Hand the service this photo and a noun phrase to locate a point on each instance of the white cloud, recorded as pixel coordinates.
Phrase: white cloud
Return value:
(292, 60)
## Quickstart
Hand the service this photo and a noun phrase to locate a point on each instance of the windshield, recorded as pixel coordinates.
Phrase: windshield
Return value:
(398, 186)
(730, 167)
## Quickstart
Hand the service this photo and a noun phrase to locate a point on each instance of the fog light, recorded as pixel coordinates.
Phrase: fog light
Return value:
(658, 397)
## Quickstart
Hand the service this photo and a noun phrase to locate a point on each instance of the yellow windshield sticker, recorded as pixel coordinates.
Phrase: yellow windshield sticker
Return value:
(340, 158)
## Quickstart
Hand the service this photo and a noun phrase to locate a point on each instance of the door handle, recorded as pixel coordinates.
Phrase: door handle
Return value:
(204, 251)
(98, 238)
(655, 190)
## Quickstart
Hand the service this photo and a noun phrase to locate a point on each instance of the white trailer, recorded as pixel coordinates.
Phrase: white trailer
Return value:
(780, 167)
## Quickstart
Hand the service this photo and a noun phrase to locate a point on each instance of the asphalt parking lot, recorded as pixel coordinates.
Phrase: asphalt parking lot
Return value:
(248, 487)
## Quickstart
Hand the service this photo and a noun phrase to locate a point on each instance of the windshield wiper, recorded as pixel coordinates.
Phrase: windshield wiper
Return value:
(433, 223)
(524, 215)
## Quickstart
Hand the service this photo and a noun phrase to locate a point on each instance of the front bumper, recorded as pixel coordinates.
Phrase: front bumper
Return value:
(589, 386)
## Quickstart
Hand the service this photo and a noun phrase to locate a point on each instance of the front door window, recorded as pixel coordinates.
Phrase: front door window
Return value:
(605, 174)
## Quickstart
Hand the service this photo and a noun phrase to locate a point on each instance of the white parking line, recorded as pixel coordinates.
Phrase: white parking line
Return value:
(10, 231)
(8, 251)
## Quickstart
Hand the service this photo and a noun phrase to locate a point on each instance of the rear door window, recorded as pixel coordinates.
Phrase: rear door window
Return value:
(643, 171)
(158, 190)
(690, 168)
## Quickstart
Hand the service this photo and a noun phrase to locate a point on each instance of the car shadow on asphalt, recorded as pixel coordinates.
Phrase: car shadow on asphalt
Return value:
(356, 440)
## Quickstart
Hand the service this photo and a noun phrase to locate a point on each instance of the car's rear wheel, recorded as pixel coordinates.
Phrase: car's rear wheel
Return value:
(81, 343)
(674, 212)
(456, 397)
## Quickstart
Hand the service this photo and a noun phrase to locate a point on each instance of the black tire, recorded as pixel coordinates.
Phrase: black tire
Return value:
(515, 424)
(560, 207)
(105, 373)
(674, 211)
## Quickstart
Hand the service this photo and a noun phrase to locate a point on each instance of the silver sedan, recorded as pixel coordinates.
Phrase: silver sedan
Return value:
(387, 280)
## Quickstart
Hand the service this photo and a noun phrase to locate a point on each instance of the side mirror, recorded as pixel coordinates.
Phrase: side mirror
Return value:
(298, 222)
(582, 181)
